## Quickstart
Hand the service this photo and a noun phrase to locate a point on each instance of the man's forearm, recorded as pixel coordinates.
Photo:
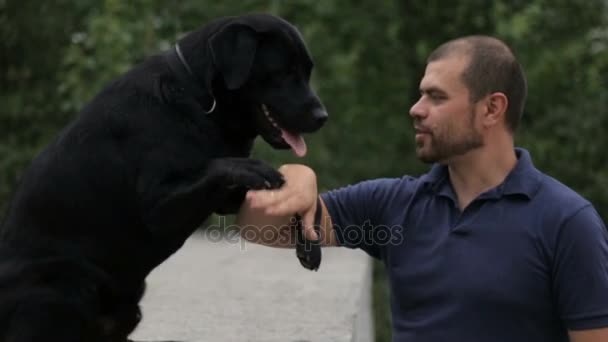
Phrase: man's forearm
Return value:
(268, 230)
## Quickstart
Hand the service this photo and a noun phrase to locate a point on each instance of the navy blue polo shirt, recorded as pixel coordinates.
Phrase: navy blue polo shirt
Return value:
(525, 261)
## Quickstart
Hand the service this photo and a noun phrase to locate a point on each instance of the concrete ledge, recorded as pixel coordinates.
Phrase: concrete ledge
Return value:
(217, 291)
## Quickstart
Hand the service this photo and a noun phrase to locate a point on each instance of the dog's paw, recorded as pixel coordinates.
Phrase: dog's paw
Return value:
(232, 201)
(244, 173)
(307, 251)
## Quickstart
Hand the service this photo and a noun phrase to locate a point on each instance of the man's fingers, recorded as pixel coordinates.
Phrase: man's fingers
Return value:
(288, 206)
(307, 224)
(265, 198)
(283, 203)
(276, 202)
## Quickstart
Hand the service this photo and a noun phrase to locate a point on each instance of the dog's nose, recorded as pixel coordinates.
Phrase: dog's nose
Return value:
(319, 116)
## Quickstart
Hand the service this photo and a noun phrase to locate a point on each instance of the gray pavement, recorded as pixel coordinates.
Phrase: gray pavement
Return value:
(220, 291)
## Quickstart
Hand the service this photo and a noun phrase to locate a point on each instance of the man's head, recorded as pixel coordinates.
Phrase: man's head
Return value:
(473, 88)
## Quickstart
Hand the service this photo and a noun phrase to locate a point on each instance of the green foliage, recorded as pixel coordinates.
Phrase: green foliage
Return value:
(369, 59)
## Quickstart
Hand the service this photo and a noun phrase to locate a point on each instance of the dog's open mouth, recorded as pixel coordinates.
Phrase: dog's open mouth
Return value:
(280, 136)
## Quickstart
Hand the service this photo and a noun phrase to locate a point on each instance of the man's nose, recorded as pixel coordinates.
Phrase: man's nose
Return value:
(417, 110)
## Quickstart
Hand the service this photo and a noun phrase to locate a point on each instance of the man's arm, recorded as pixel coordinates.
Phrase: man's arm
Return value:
(590, 335)
(580, 275)
(267, 216)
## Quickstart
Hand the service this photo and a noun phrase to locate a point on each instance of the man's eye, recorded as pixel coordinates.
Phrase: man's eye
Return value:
(437, 97)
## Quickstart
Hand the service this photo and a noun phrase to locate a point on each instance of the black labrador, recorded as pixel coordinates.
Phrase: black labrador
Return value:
(147, 160)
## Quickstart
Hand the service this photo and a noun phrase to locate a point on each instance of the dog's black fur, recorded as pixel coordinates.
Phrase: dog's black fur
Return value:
(128, 181)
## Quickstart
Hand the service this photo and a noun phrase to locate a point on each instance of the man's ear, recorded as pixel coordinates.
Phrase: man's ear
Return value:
(233, 49)
(496, 107)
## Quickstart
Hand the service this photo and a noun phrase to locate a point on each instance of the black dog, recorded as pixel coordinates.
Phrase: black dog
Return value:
(145, 163)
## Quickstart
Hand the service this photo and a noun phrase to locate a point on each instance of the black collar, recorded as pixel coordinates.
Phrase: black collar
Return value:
(184, 74)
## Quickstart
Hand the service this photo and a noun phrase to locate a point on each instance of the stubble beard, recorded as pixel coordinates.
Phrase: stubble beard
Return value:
(448, 143)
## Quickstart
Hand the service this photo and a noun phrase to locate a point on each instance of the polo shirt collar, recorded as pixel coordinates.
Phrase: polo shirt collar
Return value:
(524, 179)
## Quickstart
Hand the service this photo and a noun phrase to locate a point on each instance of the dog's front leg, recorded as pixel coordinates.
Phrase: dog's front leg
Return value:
(224, 182)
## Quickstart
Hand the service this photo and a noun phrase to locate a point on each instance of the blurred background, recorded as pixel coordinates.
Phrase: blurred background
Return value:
(369, 59)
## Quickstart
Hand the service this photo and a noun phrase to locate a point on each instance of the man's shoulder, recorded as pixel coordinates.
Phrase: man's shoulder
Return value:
(560, 195)
(540, 186)
(558, 204)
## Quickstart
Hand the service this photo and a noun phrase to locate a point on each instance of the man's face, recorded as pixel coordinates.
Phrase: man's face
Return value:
(444, 119)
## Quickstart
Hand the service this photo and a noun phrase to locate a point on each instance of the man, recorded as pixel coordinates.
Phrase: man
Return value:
(483, 247)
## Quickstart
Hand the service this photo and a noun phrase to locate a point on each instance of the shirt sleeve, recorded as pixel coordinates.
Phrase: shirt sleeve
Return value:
(359, 212)
(580, 271)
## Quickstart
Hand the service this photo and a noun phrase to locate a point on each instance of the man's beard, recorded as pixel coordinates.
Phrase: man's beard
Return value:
(450, 143)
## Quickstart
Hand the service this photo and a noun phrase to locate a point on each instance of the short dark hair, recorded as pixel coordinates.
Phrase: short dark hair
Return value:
(492, 67)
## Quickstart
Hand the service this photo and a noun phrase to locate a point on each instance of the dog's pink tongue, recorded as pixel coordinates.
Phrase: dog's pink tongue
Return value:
(296, 141)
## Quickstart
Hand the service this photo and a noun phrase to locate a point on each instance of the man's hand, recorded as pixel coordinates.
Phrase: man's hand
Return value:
(298, 195)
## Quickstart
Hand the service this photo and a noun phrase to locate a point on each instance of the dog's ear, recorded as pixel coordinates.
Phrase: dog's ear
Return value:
(233, 49)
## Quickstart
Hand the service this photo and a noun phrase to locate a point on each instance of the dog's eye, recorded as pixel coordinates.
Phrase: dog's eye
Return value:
(275, 77)
(280, 75)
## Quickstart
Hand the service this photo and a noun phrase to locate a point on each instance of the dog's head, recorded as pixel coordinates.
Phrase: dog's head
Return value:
(260, 75)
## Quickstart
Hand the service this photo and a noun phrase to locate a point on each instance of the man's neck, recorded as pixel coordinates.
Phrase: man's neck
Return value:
(480, 170)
